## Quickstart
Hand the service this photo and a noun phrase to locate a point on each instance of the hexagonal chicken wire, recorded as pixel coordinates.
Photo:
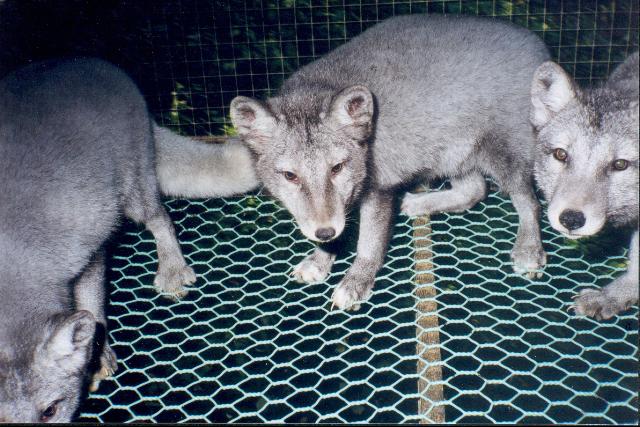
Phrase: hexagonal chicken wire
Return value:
(250, 344)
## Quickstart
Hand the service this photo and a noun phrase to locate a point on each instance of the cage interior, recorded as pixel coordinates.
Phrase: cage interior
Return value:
(450, 334)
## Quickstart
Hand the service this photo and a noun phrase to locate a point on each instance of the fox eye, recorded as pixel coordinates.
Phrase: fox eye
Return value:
(290, 176)
(337, 168)
(560, 154)
(49, 412)
(620, 164)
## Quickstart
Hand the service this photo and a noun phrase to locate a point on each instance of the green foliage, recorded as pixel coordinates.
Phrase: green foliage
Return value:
(597, 247)
(255, 47)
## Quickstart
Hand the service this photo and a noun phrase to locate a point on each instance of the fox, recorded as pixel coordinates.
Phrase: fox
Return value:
(412, 99)
(79, 152)
(586, 165)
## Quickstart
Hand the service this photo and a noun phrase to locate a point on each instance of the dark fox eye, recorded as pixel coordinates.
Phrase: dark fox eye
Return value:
(290, 176)
(337, 168)
(560, 154)
(620, 164)
(50, 412)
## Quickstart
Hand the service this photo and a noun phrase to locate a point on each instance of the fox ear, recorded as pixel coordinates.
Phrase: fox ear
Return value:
(627, 70)
(252, 120)
(352, 109)
(70, 343)
(551, 91)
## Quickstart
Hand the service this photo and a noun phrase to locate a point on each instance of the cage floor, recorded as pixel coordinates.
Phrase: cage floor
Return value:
(248, 344)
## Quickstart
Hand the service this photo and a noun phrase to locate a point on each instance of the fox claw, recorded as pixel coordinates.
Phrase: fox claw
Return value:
(108, 367)
(309, 271)
(174, 282)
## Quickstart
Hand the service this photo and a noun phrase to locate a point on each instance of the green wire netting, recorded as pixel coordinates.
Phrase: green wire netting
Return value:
(250, 344)
(450, 333)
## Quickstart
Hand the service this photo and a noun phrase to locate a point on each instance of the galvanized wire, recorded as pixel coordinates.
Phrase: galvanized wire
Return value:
(250, 344)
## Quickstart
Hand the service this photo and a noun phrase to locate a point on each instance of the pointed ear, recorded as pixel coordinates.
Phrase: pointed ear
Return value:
(253, 121)
(352, 109)
(551, 91)
(627, 70)
(70, 343)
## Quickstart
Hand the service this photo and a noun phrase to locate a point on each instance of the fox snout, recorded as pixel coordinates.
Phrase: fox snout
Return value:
(322, 232)
(578, 206)
(571, 219)
(321, 219)
(576, 222)
(325, 234)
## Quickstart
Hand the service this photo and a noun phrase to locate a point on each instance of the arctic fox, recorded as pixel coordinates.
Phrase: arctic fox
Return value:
(411, 99)
(587, 166)
(77, 153)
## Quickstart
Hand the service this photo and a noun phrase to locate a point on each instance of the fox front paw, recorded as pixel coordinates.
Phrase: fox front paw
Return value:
(598, 304)
(350, 292)
(529, 260)
(108, 366)
(413, 204)
(311, 270)
(172, 282)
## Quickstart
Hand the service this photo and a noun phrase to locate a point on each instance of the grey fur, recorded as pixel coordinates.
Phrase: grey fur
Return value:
(595, 127)
(412, 98)
(195, 169)
(76, 154)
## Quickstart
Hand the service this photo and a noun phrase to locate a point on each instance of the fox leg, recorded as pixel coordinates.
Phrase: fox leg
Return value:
(89, 294)
(375, 226)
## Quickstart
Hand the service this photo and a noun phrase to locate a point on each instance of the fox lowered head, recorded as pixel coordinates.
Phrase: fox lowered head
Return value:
(311, 152)
(587, 152)
(42, 368)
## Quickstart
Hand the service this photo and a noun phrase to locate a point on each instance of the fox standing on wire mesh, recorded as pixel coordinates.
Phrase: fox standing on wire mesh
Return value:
(587, 166)
(77, 153)
(412, 99)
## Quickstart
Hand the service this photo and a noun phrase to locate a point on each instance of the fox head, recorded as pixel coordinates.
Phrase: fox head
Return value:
(42, 369)
(311, 153)
(587, 152)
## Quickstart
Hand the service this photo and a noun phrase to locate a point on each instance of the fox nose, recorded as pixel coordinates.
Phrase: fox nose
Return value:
(572, 219)
(325, 233)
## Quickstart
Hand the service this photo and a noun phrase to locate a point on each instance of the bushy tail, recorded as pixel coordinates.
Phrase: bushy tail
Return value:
(195, 169)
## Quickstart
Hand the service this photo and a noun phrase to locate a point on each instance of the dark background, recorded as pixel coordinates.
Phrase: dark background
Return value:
(191, 57)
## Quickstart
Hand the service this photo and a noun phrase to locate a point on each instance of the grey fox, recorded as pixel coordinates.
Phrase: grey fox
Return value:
(411, 99)
(77, 153)
(587, 166)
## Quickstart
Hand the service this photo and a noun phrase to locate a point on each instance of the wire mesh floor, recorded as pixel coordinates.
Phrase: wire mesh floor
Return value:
(248, 344)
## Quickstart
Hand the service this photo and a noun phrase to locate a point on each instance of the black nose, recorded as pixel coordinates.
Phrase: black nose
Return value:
(572, 219)
(325, 233)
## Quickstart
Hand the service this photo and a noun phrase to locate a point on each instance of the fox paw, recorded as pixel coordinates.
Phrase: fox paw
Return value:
(597, 304)
(108, 366)
(311, 270)
(413, 204)
(172, 282)
(349, 293)
(529, 260)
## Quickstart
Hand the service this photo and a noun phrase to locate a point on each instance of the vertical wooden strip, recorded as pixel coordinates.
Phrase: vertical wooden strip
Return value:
(428, 347)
